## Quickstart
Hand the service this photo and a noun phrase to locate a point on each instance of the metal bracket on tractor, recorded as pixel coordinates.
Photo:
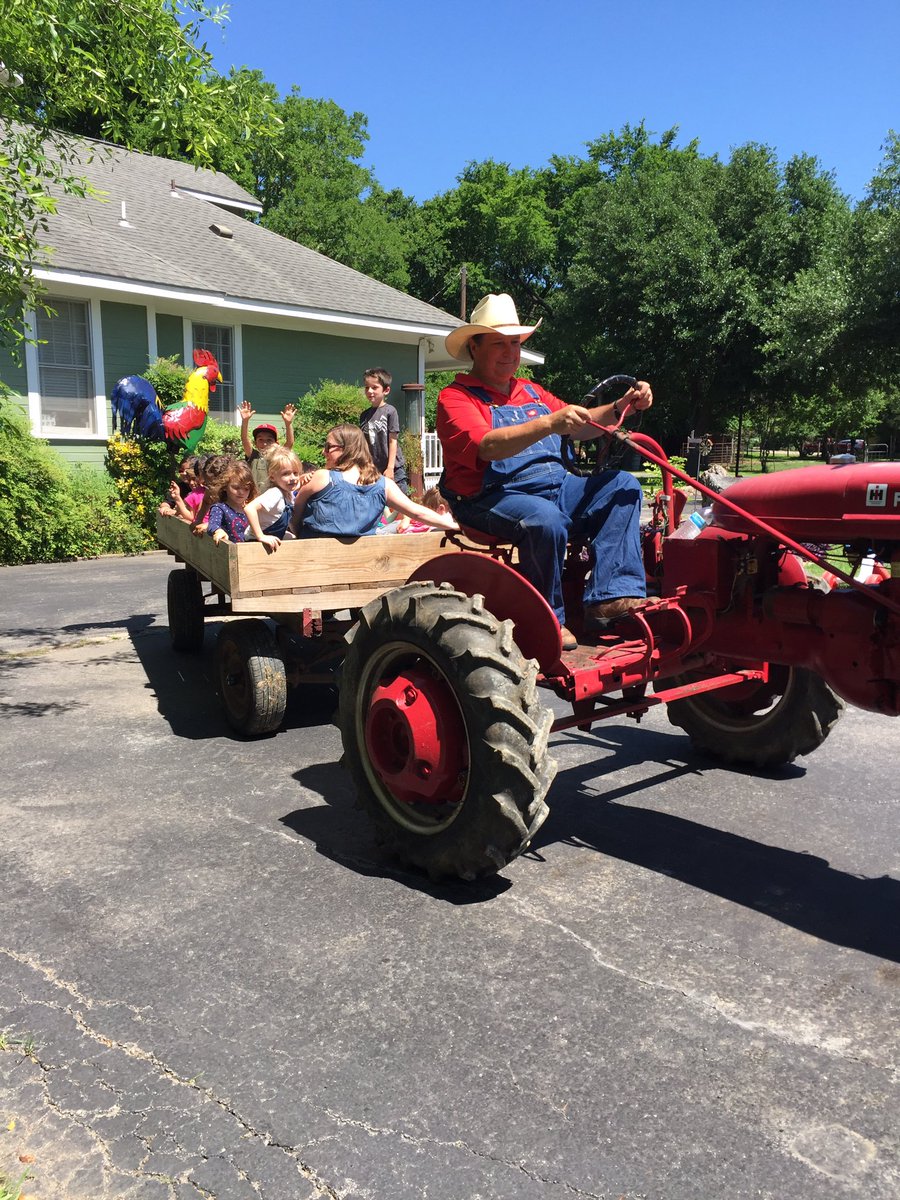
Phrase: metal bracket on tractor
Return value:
(749, 655)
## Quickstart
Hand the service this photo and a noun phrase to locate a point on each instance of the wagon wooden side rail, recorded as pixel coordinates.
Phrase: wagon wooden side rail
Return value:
(324, 574)
(292, 600)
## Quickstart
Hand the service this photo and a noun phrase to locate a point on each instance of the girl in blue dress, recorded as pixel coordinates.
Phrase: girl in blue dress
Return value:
(347, 498)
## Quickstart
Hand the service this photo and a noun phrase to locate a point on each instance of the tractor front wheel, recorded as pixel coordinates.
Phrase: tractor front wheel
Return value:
(443, 731)
(765, 724)
(251, 676)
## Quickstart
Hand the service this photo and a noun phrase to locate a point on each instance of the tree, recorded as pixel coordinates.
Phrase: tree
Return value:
(133, 74)
(498, 224)
(875, 275)
(314, 190)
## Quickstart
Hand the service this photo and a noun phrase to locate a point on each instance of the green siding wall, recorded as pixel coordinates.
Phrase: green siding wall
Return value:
(280, 366)
(169, 336)
(13, 374)
(125, 346)
(91, 454)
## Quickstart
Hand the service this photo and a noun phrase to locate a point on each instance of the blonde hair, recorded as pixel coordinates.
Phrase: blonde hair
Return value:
(278, 457)
(238, 473)
(354, 452)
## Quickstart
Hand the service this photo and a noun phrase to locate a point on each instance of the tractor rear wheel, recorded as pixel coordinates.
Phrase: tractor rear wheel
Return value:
(766, 724)
(251, 677)
(443, 731)
(184, 601)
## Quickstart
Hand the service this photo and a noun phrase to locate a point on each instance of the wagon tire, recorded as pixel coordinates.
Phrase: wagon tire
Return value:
(185, 604)
(770, 726)
(443, 731)
(251, 677)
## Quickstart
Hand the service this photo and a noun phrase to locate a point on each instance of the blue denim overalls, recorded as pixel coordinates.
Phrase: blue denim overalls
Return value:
(532, 501)
(344, 509)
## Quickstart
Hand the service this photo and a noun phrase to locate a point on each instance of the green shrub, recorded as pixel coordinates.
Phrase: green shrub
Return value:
(651, 476)
(50, 512)
(219, 438)
(320, 410)
(168, 377)
(140, 473)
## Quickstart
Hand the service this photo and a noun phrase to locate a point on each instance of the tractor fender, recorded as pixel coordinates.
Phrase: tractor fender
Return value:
(507, 596)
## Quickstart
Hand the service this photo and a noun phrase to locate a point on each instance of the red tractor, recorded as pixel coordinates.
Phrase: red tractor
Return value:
(443, 726)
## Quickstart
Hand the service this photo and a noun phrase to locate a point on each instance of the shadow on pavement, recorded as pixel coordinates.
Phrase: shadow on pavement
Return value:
(797, 889)
(341, 832)
(186, 692)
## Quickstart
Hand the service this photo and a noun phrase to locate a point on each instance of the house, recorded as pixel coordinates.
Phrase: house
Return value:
(163, 261)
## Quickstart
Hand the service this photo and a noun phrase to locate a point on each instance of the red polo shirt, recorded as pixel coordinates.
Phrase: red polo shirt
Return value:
(463, 420)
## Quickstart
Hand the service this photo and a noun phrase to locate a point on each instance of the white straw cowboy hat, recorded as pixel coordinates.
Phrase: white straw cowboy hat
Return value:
(492, 314)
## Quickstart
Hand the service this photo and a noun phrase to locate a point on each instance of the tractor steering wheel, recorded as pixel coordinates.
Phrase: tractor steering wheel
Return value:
(572, 461)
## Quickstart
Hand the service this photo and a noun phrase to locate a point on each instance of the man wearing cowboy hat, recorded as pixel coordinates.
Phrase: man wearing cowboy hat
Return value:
(503, 470)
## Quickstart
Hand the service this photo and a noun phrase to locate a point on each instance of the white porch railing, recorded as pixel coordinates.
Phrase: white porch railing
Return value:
(432, 459)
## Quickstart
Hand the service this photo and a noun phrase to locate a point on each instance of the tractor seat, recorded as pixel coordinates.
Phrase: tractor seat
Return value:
(479, 538)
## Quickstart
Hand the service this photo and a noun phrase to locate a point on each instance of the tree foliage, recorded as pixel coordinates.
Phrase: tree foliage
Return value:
(314, 190)
(134, 74)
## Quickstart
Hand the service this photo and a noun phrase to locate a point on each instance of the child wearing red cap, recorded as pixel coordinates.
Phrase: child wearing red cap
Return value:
(264, 438)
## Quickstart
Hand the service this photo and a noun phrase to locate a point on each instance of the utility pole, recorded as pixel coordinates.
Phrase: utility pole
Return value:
(463, 274)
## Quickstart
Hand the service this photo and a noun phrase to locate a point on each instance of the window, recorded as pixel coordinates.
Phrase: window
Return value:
(219, 340)
(65, 366)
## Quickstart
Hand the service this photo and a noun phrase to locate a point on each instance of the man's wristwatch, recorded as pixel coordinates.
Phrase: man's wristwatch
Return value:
(616, 410)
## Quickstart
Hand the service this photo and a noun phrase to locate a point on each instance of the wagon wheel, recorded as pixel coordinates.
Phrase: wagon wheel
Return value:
(184, 601)
(765, 724)
(443, 731)
(251, 677)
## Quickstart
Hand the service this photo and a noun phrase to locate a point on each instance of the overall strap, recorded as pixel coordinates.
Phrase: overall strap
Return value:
(483, 395)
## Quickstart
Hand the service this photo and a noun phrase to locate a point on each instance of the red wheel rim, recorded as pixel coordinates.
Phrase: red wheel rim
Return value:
(416, 739)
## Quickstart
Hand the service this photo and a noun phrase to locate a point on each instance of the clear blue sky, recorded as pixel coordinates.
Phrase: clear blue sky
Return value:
(443, 84)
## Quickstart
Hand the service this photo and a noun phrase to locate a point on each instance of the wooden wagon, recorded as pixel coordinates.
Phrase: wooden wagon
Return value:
(297, 604)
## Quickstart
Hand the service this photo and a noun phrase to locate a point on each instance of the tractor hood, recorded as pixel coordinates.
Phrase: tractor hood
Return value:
(821, 504)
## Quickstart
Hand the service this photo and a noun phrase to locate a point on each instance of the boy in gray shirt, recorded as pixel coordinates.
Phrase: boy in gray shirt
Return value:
(381, 425)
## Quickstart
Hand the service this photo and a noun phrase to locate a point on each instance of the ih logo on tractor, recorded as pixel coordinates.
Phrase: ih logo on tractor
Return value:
(877, 496)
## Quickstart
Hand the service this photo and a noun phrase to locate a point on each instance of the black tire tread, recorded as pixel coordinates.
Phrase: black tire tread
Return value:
(261, 708)
(185, 606)
(797, 725)
(509, 728)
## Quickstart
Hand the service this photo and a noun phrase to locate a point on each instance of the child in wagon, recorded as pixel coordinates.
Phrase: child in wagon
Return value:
(348, 497)
(269, 514)
(227, 520)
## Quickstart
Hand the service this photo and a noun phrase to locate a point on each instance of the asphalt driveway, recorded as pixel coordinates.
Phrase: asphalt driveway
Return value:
(211, 985)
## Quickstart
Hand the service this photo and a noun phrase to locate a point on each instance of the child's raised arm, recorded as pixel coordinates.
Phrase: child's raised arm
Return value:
(246, 413)
(287, 415)
(427, 516)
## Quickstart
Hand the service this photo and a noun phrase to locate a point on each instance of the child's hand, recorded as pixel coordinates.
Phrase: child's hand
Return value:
(219, 537)
(174, 490)
(245, 412)
(199, 530)
(271, 542)
(288, 413)
(304, 480)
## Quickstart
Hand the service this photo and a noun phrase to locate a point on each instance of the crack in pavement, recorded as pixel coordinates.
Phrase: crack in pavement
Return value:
(708, 1003)
(87, 1117)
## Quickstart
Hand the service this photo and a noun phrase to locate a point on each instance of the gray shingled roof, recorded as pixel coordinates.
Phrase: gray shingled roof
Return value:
(170, 243)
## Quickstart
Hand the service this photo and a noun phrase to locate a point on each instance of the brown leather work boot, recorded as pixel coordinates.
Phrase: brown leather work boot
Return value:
(569, 640)
(602, 615)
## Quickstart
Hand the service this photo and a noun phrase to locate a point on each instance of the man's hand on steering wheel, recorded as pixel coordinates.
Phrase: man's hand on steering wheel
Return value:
(639, 397)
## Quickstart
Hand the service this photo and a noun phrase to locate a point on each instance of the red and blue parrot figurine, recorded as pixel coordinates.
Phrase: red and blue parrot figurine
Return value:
(136, 406)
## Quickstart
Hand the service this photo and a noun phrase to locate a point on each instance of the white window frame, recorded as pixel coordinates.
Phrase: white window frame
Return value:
(33, 375)
(237, 345)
